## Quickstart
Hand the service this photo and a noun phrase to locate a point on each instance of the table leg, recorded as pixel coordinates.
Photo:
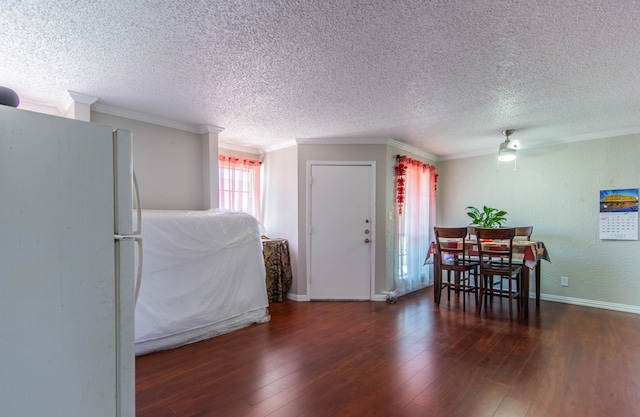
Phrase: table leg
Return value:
(538, 283)
(524, 292)
(437, 280)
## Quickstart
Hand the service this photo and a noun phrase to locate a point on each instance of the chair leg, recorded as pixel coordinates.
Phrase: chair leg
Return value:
(492, 291)
(510, 299)
(463, 290)
(485, 288)
(519, 293)
(437, 299)
(480, 291)
(523, 296)
(474, 287)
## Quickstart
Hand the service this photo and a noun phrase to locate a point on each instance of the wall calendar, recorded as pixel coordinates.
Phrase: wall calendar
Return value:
(619, 214)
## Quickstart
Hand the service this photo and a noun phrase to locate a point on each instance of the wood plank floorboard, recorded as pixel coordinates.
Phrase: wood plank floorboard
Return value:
(406, 359)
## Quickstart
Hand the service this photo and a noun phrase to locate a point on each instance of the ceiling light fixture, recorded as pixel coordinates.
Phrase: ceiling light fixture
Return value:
(507, 150)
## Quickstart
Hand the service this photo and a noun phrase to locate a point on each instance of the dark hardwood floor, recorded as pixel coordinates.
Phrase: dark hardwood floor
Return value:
(405, 359)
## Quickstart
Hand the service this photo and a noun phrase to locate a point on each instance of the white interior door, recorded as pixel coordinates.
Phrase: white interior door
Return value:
(341, 231)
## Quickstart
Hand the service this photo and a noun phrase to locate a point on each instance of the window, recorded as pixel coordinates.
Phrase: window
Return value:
(239, 184)
(415, 215)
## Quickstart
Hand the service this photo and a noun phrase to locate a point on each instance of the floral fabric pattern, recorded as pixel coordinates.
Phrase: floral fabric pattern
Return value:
(278, 267)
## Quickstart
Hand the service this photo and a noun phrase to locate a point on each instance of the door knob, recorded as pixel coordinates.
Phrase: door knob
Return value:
(367, 240)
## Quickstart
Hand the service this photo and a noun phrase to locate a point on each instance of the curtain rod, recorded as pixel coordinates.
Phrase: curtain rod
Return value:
(240, 159)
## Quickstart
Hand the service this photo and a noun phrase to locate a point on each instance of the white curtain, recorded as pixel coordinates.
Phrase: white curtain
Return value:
(415, 215)
(239, 184)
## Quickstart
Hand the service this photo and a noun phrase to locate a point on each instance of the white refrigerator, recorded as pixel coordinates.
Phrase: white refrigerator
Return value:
(68, 243)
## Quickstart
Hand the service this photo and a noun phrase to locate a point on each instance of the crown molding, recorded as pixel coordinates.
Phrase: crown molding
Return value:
(281, 145)
(367, 141)
(550, 142)
(72, 97)
(588, 136)
(232, 147)
(210, 129)
(414, 150)
(342, 141)
(39, 108)
(142, 117)
(81, 98)
(472, 154)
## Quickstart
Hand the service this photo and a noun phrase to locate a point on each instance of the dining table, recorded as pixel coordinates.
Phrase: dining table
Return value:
(529, 252)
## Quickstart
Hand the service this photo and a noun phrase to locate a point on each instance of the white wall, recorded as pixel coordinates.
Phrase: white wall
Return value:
(168, 163)
(285, 200)
(279, 202)
(378, 153)
(556, 189)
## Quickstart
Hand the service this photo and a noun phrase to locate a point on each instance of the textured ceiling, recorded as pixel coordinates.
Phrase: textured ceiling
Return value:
(443, 76)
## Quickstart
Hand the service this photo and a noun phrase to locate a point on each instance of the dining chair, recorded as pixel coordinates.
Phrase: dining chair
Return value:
(451, 252)
(499, 246)
(523, 232)
(471, 232)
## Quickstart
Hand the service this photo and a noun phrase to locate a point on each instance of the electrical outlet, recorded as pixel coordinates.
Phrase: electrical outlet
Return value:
(564, 281)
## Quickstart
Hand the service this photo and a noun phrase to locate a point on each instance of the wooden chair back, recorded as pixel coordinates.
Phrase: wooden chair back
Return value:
(471, 232)
(503, 252)
(524, 232)
(451, 233)
(505, 269)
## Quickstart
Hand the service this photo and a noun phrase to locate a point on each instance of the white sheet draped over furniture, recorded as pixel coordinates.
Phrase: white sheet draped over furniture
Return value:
(203, 275)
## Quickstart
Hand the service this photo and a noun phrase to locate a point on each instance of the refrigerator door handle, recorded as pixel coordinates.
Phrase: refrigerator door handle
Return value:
(136, 190)
(139, 273)
(138, 280)
(126, 192)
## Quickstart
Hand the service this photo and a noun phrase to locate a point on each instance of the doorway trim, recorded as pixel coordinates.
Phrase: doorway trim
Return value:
(372, 248)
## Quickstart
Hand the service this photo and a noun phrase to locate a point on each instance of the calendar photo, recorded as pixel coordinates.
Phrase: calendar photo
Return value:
(619, 214)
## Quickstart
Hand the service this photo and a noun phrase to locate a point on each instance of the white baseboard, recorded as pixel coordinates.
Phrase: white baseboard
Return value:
(588, 303)
(296, 297)
(546, 297)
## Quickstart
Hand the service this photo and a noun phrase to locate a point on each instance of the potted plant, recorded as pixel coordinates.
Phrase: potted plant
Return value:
(488, 217)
